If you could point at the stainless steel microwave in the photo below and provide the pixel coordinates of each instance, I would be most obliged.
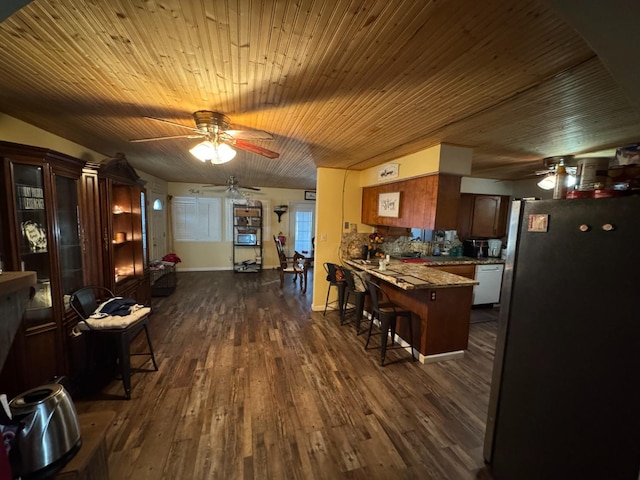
(246, 239)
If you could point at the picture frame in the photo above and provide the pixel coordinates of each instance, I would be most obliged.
(388, 171)
(310, 195)
(389, 204)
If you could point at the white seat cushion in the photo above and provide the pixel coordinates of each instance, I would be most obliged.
(114, 321)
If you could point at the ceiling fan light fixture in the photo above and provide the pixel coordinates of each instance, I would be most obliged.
(548, 182)
(215, 153)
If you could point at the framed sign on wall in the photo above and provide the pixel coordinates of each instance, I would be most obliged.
(389, 204)
(309, 195)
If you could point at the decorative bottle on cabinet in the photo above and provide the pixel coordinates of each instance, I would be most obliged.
(560, 189)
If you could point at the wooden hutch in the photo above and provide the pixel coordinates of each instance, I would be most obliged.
(58, 219)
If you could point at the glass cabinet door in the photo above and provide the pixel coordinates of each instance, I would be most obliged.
(68, 234)
(33, 241)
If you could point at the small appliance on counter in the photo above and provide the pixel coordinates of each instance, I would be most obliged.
(49, 435)
(495, 247)
(476, 247)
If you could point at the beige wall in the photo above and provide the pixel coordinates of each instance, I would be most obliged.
(197, 256)
(14, 130)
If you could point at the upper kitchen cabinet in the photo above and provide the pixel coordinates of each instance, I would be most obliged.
(124, 229)
(41, 233)
(428, 202)
(482, 215)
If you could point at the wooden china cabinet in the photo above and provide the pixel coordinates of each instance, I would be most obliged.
(41, 233)
(124, 230)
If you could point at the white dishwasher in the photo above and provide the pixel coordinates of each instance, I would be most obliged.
(489, 278)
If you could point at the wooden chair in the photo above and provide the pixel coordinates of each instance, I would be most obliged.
(387, 313)
(291, 265)
(85, 301)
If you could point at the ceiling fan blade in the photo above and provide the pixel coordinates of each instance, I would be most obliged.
(153, 139)
(255, 189)
(249, 134)
(173, 123)
(250, 147)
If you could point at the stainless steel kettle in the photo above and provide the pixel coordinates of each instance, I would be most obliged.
(50, 435)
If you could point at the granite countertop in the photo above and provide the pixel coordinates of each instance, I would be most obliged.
(447, 260)
(412, 276)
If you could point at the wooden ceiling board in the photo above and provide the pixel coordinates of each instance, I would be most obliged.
(338, 84)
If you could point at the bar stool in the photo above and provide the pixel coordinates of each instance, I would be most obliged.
(123, 332)
(359, 292)
(387, 313)
(334, 281)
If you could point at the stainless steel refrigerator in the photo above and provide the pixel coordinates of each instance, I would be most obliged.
(565, 393)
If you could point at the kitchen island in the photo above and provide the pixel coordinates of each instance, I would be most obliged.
(441, 303)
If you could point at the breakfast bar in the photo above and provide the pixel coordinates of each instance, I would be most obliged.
(441, 303)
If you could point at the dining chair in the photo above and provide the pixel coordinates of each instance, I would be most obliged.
(120, 329)
(291, 265)
(387, 314)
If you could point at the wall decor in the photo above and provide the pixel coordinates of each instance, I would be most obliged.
(385, 172)
(389, 204)
(309, 195)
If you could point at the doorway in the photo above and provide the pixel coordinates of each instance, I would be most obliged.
(302, 226)
(158, 220)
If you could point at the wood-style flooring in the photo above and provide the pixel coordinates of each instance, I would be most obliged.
(253, 385)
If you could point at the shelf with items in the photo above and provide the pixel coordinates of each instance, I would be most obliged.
(122, 198)
(41, 233)
(247, 237)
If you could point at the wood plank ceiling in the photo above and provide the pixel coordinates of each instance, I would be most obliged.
(347, 84)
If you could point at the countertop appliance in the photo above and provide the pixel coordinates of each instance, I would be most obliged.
(489, 279)
(50, 436)
(565, 392)
(475, 247)
(495, 247)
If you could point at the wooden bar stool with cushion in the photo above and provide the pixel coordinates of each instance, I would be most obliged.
(387, 313)
(121, 329)
(335, 277)
(357, 288)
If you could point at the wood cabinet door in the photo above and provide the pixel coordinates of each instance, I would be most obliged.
(485, 215)
(429, 202)
(482, 215)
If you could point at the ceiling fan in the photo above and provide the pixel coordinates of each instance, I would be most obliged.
(551, 165)
(214, 128)
(233, 188)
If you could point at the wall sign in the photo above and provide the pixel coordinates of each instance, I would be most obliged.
(385, 172)
(309, 195)
(389, 204)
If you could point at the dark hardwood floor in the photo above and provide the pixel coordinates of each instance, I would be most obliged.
(253, 385)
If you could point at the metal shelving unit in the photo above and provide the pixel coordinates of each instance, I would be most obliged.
(247, 237)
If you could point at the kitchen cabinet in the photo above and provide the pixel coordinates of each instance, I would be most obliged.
(41, 233)
(428, 202)
(482, 215)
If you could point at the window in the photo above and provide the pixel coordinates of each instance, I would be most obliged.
(197, 219)
(157, 204)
